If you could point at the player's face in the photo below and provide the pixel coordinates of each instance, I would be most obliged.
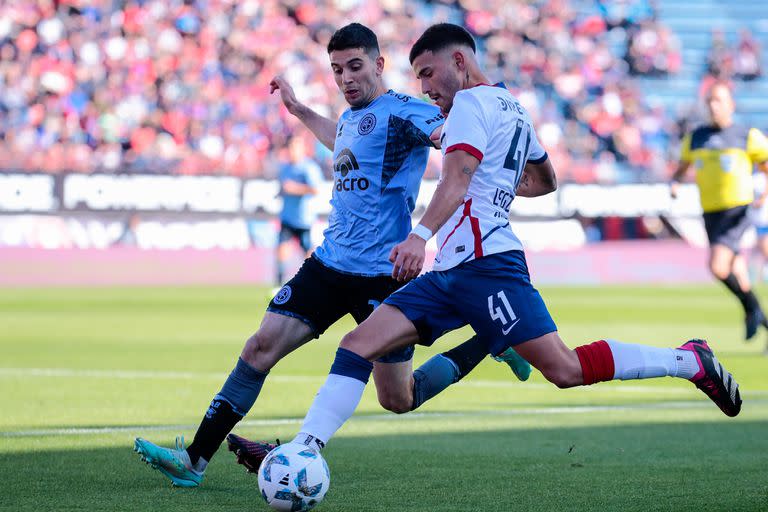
(357, 74)
(440, 77)
(720, 103)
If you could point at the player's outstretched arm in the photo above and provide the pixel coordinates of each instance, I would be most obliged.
(322, 127)
(458, 169)
(537, 180)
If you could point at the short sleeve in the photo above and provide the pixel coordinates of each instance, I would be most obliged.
(424, 117)
(757, 146)
(537, 153)
(685, 149)
(466, 128)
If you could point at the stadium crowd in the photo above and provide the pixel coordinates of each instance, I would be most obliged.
(172, 86)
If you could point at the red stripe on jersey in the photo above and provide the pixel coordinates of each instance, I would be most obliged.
(464, 215)
(474, 223)
(467, 148)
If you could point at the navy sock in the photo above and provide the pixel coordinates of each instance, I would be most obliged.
(432, 377)
(445, 369)
(228, 407)
(468, 355)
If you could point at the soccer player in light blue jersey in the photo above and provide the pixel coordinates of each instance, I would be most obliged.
(300, 178)
(380, 147)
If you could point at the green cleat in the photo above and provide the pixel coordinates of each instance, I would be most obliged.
(520, 367)
(174, 464)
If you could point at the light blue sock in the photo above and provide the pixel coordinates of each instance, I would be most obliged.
(432, 377)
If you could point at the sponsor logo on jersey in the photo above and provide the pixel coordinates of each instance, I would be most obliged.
(344, 164)
(402, 97)
(367, 124)
(283, 296)
(438, 117)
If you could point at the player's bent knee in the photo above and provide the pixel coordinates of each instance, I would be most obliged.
(351, 341)
(395, 403)
(260, 351)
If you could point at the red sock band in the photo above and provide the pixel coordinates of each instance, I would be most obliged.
(596, 362)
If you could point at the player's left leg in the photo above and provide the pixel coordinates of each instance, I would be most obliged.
(516, 314)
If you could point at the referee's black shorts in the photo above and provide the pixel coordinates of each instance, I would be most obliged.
(726, 227)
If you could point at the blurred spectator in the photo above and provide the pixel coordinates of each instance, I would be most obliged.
(181, 86)
(720, 58)
(746, 65)
(653, 50)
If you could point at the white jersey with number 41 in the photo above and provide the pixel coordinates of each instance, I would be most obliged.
(489, 123)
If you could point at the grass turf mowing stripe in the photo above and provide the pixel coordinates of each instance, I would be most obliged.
(150, 374)
(575, 409)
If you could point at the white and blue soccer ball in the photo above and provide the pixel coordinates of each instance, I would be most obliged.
(293, 477)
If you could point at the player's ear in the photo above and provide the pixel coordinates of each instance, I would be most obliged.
(459, 60)
(379, 65)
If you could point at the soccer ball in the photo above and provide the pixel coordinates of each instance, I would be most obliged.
(293, 477)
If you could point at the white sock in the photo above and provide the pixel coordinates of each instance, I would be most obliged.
(687, 364)
(632, 361)
(334, 404)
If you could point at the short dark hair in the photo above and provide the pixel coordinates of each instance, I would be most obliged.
(354, 35)
(440, 36)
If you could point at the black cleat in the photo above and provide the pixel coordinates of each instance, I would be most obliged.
(752, 323)
(249, 453)
(713, 379)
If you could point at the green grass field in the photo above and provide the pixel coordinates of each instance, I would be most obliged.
(83, 372)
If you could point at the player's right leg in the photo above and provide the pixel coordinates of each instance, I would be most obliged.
(278, 336)
(301, 310)
(606, 360)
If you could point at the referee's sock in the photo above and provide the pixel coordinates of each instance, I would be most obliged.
(748, 299)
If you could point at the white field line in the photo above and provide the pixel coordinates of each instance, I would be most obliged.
(471, 383)
(532, 411)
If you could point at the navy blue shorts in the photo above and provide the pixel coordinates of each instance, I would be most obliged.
(493, 294)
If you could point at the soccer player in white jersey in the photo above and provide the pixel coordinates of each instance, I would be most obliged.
(491, 154)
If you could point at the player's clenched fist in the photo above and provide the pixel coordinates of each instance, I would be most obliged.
(408, 258)
(286, 92)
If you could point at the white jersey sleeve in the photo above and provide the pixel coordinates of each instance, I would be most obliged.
(474, 133)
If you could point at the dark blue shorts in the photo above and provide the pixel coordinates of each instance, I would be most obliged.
(493, 294)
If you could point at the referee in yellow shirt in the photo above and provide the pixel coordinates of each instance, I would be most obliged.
(724, 155)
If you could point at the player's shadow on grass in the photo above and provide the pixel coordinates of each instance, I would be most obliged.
(676, 467)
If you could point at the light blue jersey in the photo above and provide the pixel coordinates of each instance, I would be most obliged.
(379, 157)
(297, 209)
